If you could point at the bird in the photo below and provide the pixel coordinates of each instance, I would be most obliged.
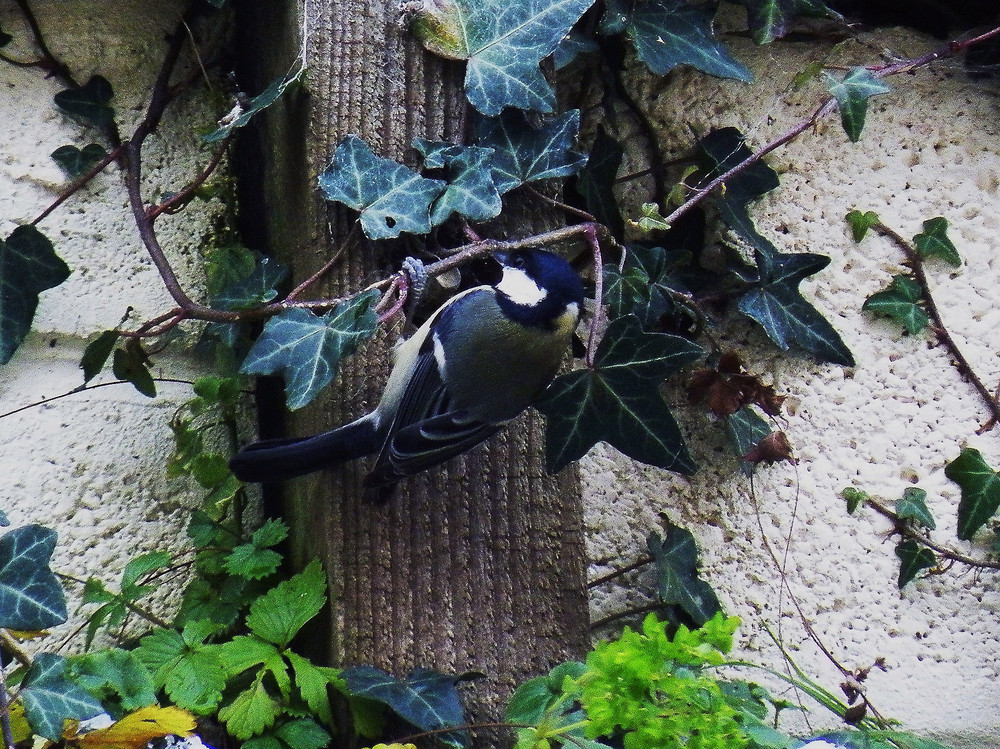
(477, 362)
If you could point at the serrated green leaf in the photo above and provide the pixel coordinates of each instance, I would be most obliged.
(250, 712)
(861, 223)
(618, 401)
(668, 33)
(901, 301)
(279, 614)
(676, 559)
(391, 197)
(181, 663)
(257, 288)
(596, 182)
(240, 116)
(30, 595)
(306, 349)
(852, 94)
(425, 699)
(523, 154)
(980, 487)
(312, 682)
(114, 674)
(303, 733)
(252, 562)
(28, 266)
(913, 506)
(787, 318)
(49, 697)
(210, 469)
(503, 44)
(78, 161)
(222, 605)
(471, 191)
(933, 241)
(88, 102)
(131, 365)
(95, 356)
(913, 557)
(271, 533)
(247, 651)
(745, 429)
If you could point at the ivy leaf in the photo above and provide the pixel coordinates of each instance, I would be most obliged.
(980, 487)
(745, 429)
(88, 102)
(425, 699)
(239, 116)
(526, 154)
(258, 287)
(619, 402)
(861, 223)
(76, 161)
(596, 182)
(676, 559)
(854, 497)
(913, 506)
(28, 266)
(115, 675)
(913, 557)
(901, 301)
(570, 47)
(787, 318)
(933, 242)
(95, 356)
(50, 698)
(280, 613)
(852, 95)
(131, 364)
(769, 19)
(471, 191)
(391, 198)
(30, 595)
(306, 348)
(668, 33)
(503, 44)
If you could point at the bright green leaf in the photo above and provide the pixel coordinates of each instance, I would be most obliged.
(303, 733)
(854, 497)
(88, 102)
(980, 487)
(279, 614)
(50, 698)
(503, 44)
(78, 161)
(933, 241)
(861, 223)
(250, 712)
(115, 674)
(901, 301)
(852, 95)
(30, 595)
(391, 197)
(188, 669)
(913, 506)
(307, 348)
(28, 266)
(618, 401)
(142, 565)
(676, 560)
(271, 533)
(913, 558)
(312, 682)
(523, 154)
(668, 33)
(650, 218)
(239, 116)
(252, 562)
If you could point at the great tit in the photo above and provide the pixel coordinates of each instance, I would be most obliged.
(480, 360)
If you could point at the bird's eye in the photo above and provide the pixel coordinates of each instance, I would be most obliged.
(518, 261)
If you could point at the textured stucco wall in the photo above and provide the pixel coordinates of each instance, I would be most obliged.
(930, 148)
(92, 465)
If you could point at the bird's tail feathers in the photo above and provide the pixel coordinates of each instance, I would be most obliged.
(270, 461)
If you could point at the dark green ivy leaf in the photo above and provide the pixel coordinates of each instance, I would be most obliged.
(913, 557)
(676, 559)
(852, 95)
(980, 487)
(913, 506)
(619, 402)
(4, 520)
(525, 154)
(259, 287)
(131, 364)
(76, 161)
(95, 356)
(570, 47)
(307, 348)
(596, 182)
(425, 699)
(769, 19)
(861, 223)
(745, 429)
(28, 266)
(933, 241)
(471, 191)
(50, 698)
(668, 33)
(900, 300)
(787, 318)
(89, 102)
(391, 198)
(240, 116)
(503, 44)
(30, 595)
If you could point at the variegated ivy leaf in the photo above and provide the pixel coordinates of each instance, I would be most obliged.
(391, 197)
(852, 95)
(471, 190)
(503, 43)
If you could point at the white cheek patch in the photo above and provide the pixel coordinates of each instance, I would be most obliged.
(517, 285)
(439, 355)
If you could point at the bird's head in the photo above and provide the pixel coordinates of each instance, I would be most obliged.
(537, 287)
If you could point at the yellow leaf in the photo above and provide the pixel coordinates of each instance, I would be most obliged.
(23, 635)
(18, 723)
(394, 746)
(137, 729)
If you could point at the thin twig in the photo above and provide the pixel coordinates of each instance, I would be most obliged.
(641, 562)
(654, 606)
(84, 389)
(132, 606)
(9, 643)
(565, 207)
(179, 199)
(80, 182)
(328, 265)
